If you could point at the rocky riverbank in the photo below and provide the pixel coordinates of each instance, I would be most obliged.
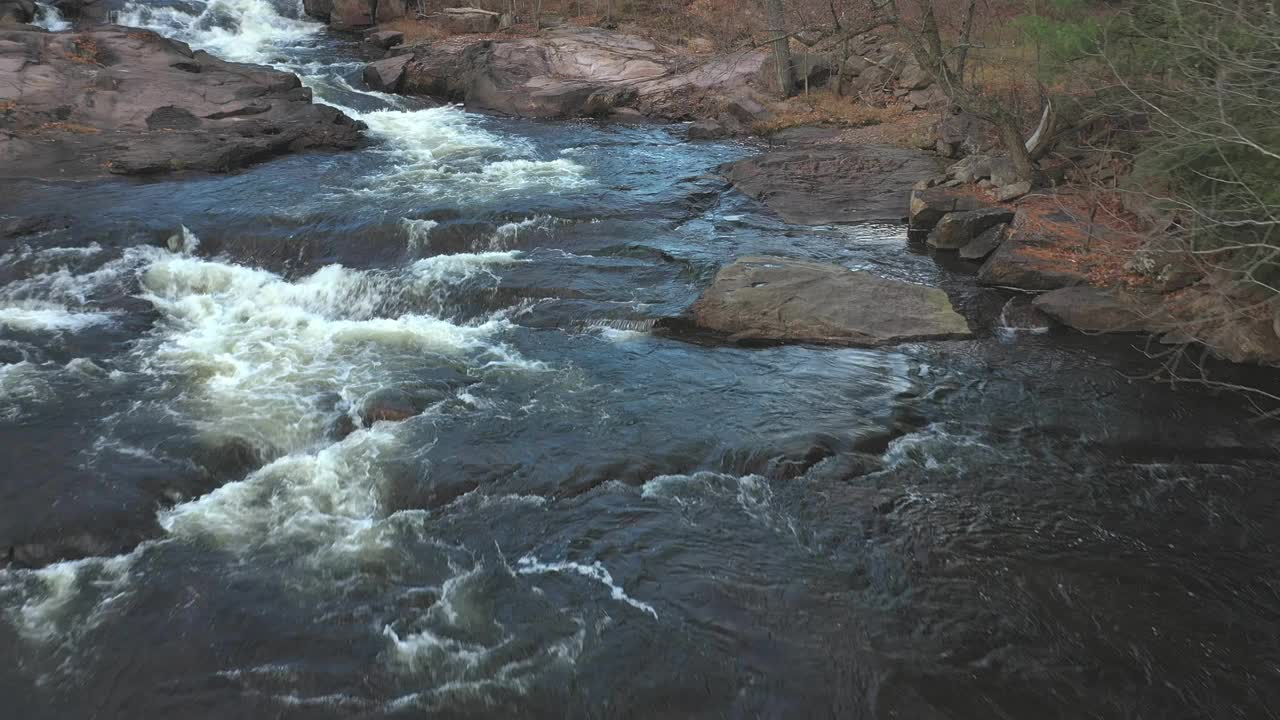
(116, 100)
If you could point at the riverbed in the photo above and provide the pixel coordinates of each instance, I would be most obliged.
(582, 517)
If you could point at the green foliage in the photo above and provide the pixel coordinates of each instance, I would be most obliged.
(1063, 31)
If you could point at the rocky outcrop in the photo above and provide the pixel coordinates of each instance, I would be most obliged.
(127, 101)
(588, 72)
(985, 244)
(774, 299)
(468, 20)
(318, 9)
(87, 12)
(1031, 259)
(828, 184)
(1105, 310)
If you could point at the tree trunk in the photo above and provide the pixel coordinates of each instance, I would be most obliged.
(537, 14)
(777, 18)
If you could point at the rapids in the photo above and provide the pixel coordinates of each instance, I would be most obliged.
(584, 518)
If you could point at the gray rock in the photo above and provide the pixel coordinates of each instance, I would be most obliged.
(385, 39)
(957, 229)
(319, 9)
(577, 72)
(148, 105)
(351, 14)
(929, 206)
(833, 183)
(1104, 310)
(1031, 260)
(773, 299)
(1014, 191)
(386, 75)
(706, 130)
(985, 244)
(1003, 172)
(468, 20)
(17, 11)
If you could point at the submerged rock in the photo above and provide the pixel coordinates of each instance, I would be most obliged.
(127, 101)
(833, 183)
(778, 299)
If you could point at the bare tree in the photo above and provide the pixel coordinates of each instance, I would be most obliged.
(776, 14)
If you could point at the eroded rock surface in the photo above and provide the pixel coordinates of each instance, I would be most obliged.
(774, 299)
(128, 101)
(835, 183)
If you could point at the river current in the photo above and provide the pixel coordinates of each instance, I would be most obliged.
(583, 518)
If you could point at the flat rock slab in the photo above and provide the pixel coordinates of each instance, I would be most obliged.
(774, 299)
(128, 101)
(825, 185)
(1037, 256)
(1105, 310)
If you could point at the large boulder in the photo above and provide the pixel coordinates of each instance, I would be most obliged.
(577, 72)
(386, 75)
(128, 101)
(985, 244)
(1104, 310)
(17, 11)
(87, 12)
(1040, 253)
(773, 299)
(352, 14)
(318, 9)
(468, 20)
(956, 230)
(930, 204)
(834, 183)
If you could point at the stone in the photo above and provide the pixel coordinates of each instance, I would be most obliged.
(149, 105)
(385, 39)
(86, 12)
(1104, 310)
(1032, 260)
(957, 229)
(319, 9)
(468, 20)
(1014, 191)
(914, 77)
(386, 75)
(828, 184)
(1003, 173)
(971, 169)
(706, 130)
(985, 244)
(352, 14)
(17, 11)
(929, 206)
(388, 405)
(774, 299)
(931, 98)
(580, 72)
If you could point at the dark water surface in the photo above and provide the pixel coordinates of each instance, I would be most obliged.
(585, 519)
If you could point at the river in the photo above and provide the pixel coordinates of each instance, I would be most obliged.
(585, 518)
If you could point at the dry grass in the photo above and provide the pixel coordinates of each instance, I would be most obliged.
(822, 107)
(84, 50)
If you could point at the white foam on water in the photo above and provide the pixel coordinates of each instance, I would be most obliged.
(461, 266)
(262, 350)
(47, 614)
(251, 31)
(529, 565)
(48, 17)
(40, 316)
(418, 233)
